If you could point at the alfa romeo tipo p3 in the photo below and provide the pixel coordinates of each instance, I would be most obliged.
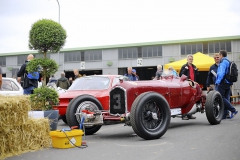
(148, 106)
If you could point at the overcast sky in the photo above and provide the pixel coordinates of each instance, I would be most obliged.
(107, 22)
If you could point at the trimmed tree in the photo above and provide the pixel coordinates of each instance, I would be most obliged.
(45, 36)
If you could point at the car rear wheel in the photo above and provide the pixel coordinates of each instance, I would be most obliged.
(76, 106)
(150, 115)
(214, 107)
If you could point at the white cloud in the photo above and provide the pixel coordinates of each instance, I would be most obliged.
(106, 22)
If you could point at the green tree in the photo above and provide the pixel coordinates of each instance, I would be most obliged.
(45, 36)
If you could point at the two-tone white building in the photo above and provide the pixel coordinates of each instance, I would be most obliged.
(114, 59)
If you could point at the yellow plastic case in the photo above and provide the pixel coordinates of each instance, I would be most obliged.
(60, 140)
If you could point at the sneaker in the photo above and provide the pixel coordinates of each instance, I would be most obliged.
(234, 113)
(229, 115)
(185, 118)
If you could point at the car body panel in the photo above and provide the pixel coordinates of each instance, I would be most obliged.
(101, 94)
(178, 93)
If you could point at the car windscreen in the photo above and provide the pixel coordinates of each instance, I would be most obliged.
(90, 83)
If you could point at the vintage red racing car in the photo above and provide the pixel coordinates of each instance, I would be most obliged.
(147, 106)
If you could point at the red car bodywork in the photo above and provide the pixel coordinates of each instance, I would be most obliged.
(178, 93)
(102, 95)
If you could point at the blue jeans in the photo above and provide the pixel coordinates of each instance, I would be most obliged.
(224, 90)
(28, 90)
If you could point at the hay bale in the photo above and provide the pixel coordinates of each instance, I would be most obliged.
(13, 111)
(30, 136)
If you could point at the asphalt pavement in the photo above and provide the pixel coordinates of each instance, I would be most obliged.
(185, 140)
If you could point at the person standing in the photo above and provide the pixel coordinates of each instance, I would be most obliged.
(191, 71)
(28, 84)
(135, 73)
(76, 73)
(131, 76)
(159, 72)
(63, 82)
(223, 86)
(173, 71)
(212, 74)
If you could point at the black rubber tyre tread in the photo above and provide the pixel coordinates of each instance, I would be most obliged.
(209, 107)
(71, 110)
(136, 119)
(64, 119)
(132, 114)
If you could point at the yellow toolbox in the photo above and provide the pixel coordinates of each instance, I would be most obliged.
(66, 139)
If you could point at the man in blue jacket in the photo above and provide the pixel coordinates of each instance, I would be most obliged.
(223, 86)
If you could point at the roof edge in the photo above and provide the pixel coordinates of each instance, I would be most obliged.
(133, 44)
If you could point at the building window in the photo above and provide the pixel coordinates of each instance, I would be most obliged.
(93, 55)
(82, 56)
(21, 59)
(191, 48)
(72, 56)
(3, 61)
(205, 48)
(139, 52)
(215, 47)
(152, 51)
(127, 53)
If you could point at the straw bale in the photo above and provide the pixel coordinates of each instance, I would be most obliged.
(30, 136)
(13, 111)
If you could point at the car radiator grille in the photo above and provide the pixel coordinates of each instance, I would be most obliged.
(117, 101)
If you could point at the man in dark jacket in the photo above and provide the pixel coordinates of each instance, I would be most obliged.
(191, 71)
(212, 74)
(28, 84)
(63, 82)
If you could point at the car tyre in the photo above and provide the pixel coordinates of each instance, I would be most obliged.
(64, 118)
(76, 105)
(214, 107)
(150, 115)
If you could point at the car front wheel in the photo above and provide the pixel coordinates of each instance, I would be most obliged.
(214, 107)
(76, 106)
(150, 115)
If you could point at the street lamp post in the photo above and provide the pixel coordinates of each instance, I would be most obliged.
(58, 12)
(59, 23)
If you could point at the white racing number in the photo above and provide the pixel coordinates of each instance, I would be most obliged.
(117, 97)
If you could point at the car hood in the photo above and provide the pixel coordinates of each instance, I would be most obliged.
(73, 94)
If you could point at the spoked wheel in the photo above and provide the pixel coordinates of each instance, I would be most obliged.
(150, 115)
(214, 107)
(76, 106)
